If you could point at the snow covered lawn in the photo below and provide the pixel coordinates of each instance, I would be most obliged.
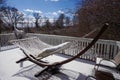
(8, 67)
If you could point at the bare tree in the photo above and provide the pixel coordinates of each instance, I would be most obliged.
(2, 26)
(47, 24)
(11, 16)
(37, 17)
(99, 11)
(67, 21)
(94, 13)
(75, 19)
(60, 21)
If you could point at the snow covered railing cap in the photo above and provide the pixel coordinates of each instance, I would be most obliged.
(17, 40)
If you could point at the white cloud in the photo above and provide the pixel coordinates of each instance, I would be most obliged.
(50, 15)
(32, 11)
(30, 16)
(38, 11)
(52, 0)
(51, 19)
(24, 14)
(28, 10)
(55, 13)
(59, 11)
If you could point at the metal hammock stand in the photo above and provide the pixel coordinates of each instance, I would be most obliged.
(54, 67)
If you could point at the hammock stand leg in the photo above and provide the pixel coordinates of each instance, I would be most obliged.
(21, 60)
(26, 58)
(50, 69)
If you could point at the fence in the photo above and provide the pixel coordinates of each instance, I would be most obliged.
(103, 48)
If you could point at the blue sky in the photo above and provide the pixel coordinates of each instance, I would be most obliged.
(48, 8)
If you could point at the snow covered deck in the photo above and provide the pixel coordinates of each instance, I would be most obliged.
(75, 70)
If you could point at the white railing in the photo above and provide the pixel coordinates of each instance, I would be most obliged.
(4, 39)
(103, 48)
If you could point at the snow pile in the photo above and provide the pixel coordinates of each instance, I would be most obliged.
(8, 66)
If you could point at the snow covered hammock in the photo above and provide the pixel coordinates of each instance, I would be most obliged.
(35, 47)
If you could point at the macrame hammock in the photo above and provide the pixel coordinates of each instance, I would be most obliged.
(31, 46)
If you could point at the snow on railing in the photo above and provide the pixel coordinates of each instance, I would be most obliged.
(103, 48)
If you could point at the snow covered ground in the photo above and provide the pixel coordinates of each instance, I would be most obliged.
(8, 67)
(9, 70)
